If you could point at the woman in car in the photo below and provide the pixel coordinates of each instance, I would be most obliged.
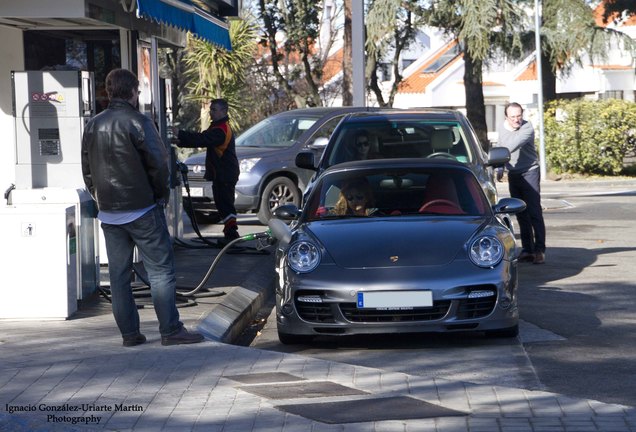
(356, 198)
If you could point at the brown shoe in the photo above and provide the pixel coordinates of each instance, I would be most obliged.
(183, 336)
(526, 257)
(539, 258)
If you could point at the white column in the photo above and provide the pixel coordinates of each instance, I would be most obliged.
(537, 39)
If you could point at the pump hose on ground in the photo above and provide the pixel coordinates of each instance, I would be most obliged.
(192, 293)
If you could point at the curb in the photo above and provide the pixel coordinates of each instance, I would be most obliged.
(226, 322)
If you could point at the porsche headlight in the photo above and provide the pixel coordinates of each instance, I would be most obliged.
(486, 251)
(197, 169)
(246, 165)
(303, 256)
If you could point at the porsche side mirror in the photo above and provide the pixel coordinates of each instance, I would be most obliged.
(287, 212)
(509, 205)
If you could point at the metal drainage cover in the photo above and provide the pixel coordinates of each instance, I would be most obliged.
(369, 410)
(305, 389)
(265, 377)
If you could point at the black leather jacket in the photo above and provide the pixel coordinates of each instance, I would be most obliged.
(124, 160)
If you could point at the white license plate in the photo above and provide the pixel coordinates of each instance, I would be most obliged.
(194, 192)
(395, 299)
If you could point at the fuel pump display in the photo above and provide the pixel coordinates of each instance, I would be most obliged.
(50, 109)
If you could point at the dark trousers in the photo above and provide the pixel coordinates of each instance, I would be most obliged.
(224, 199)
(526, 186)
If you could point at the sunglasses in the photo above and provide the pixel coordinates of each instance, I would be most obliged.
(355, 197)
(364, 143)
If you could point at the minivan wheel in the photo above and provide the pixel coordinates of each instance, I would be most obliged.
(279, 191)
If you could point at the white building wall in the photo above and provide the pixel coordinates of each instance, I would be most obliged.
(448, 89)
(11, 53)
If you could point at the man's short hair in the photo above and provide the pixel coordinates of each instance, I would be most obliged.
(120, 84)
(512, 104)
(222, 103)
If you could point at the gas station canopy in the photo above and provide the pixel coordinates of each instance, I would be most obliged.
(185, 16)
(166, 19)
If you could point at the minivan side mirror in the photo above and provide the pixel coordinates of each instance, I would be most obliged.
(305, 159)
(498, 156)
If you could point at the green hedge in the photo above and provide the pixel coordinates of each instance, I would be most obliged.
(589, 137)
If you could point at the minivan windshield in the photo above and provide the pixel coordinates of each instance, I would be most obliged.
(400, 138)
(276, 132)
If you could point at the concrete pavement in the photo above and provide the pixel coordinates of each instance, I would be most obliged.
(75, 375)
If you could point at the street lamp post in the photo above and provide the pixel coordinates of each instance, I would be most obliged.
(537, 38)
(357, 53)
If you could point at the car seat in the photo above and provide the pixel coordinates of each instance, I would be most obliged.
(440, 196)
(442, 140)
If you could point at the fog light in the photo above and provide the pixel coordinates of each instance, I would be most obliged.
(480, 294)
(309, 299)
(287, 309)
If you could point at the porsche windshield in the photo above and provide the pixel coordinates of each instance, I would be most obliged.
(397, 193)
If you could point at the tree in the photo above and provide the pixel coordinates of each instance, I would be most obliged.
(482, 28)
(568, 33)
(347, 55)
(293, 59)
(617, 7)
(391, 26)
(214, 72)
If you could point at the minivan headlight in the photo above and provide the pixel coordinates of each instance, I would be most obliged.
(246, 165)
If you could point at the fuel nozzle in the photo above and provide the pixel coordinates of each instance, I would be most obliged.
(183, 168)
(257, 236)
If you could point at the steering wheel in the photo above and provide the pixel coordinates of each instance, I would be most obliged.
(443, 206)
(441, 155)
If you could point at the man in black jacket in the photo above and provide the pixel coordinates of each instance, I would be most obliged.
(125, 168)
(221, 163)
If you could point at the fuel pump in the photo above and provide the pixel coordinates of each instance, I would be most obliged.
(50, 110)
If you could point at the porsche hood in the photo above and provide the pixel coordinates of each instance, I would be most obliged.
(355, 243)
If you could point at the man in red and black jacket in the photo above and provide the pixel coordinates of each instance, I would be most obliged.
(221, 164)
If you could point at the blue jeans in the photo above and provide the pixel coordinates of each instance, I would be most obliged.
(526, 186)
(150, 234)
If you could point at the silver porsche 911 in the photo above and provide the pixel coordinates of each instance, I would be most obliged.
(401, 245)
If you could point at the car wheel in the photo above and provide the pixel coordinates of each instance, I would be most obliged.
(290, 339)
(278, 191)
(509, 332)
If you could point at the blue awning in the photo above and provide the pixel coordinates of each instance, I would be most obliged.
(185, 16)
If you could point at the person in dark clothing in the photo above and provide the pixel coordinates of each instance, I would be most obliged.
(221, 163)
(125, 169)
(517, 135)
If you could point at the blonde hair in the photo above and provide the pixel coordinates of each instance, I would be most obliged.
(342, 205)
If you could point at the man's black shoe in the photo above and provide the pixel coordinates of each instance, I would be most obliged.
(183, 336)
(525, 257)
(137, 339)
